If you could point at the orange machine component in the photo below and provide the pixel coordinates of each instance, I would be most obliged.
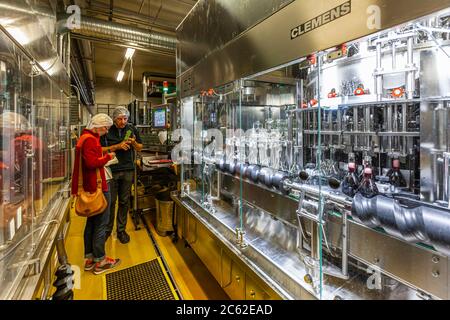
(312, 59)
(360, 92)
(398, 93)
(332, 94)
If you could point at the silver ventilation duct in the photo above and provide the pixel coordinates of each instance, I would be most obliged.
(116, 32)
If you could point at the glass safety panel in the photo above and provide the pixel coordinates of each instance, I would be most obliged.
(34, 159)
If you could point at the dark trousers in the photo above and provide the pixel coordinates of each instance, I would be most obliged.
(95, 233)
(121, 189)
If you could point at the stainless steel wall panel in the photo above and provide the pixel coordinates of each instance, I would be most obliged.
(434, 123)
(411, 264)
(213, 23)
(258, 49)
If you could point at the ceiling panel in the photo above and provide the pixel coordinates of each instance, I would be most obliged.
(141, 13)
(109, 60)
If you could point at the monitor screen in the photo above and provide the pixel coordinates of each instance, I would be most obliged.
(159, 118)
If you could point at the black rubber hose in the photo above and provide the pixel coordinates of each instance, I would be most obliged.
(412, 222)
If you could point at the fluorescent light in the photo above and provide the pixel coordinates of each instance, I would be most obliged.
(129, 54)
(120, 76)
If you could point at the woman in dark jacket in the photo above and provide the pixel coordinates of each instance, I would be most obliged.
(92, 159)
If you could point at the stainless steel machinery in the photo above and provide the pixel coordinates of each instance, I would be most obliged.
(315, 152)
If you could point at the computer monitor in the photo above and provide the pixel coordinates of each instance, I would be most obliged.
(159, 118)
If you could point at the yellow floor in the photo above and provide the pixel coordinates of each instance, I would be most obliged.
(190, 274)
(193, 279)
(90, 286)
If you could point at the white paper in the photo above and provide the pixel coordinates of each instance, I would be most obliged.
(12, 229)
(19, 217)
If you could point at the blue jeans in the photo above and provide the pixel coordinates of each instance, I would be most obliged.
(95, 233)
(120, 189)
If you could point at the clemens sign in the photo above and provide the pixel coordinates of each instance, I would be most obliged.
(326, 17)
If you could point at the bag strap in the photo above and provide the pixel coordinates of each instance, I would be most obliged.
(80, 171)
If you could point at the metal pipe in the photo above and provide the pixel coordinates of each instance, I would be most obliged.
(404, 128)
(87, 52)
(395, 127)
(344, 244)
(339, 126)
(411, 76)
(394, 37)
(63, 49)
(367, 126)
(60, 248)
(379, 77)
(394, 56)
(446, 177)
(290, 143)
(68, 52)
(315, 241)
(124, 45)
(113, 31)
(300, 98)
(133, 20)
(219, 187)
(389, 126)
(144, 98)
(355, 124)
(334, 197)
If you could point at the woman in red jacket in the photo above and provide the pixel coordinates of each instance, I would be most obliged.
(92, 159)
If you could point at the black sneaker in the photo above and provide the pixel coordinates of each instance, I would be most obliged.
(123, 237)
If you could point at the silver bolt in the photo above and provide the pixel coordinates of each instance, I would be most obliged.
(435, 259)
(436, 273)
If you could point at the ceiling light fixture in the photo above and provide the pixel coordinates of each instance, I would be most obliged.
(120, 76)
(129, 54)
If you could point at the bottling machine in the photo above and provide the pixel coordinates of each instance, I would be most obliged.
(315, 163)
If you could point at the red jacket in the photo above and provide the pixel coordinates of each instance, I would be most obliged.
(93, 158)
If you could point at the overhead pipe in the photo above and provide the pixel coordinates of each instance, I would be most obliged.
(116, 32)
(127, 18)
(101, 8)
(88, 57)
(124, 45)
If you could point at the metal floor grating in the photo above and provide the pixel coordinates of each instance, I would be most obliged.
(146, 281)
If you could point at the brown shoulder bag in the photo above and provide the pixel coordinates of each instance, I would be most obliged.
(89, 204)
